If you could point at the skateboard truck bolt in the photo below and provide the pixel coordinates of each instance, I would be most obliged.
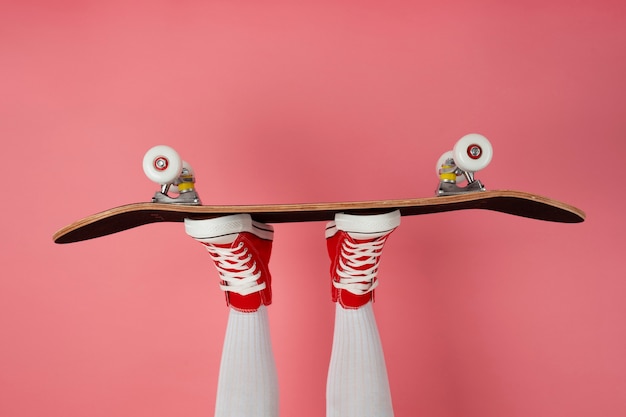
(161, 164)
(474, 151)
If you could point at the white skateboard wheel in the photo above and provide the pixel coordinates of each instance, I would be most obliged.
(472, 152)
(162, 164)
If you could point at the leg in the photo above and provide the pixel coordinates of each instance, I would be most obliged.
(240, 248)
(357, 377)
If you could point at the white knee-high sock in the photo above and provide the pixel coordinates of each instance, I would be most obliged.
(357, 383)
(247, 385)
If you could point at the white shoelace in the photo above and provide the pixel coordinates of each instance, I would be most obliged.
(236, 273)
(358, 255)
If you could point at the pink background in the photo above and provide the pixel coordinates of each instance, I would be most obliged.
(481, 314)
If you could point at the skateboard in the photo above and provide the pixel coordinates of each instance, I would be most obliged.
(458, 189)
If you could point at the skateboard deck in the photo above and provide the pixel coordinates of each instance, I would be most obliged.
(128, 216)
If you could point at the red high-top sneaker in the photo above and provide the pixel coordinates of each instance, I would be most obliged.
(355, 244)
(240, 248)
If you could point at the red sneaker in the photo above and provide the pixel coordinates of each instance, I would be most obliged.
(355, 244)
(240, 248)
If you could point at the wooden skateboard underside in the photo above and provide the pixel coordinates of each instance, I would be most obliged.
(132, 215)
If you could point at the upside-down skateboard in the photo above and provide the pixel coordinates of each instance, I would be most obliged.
(178, 198)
